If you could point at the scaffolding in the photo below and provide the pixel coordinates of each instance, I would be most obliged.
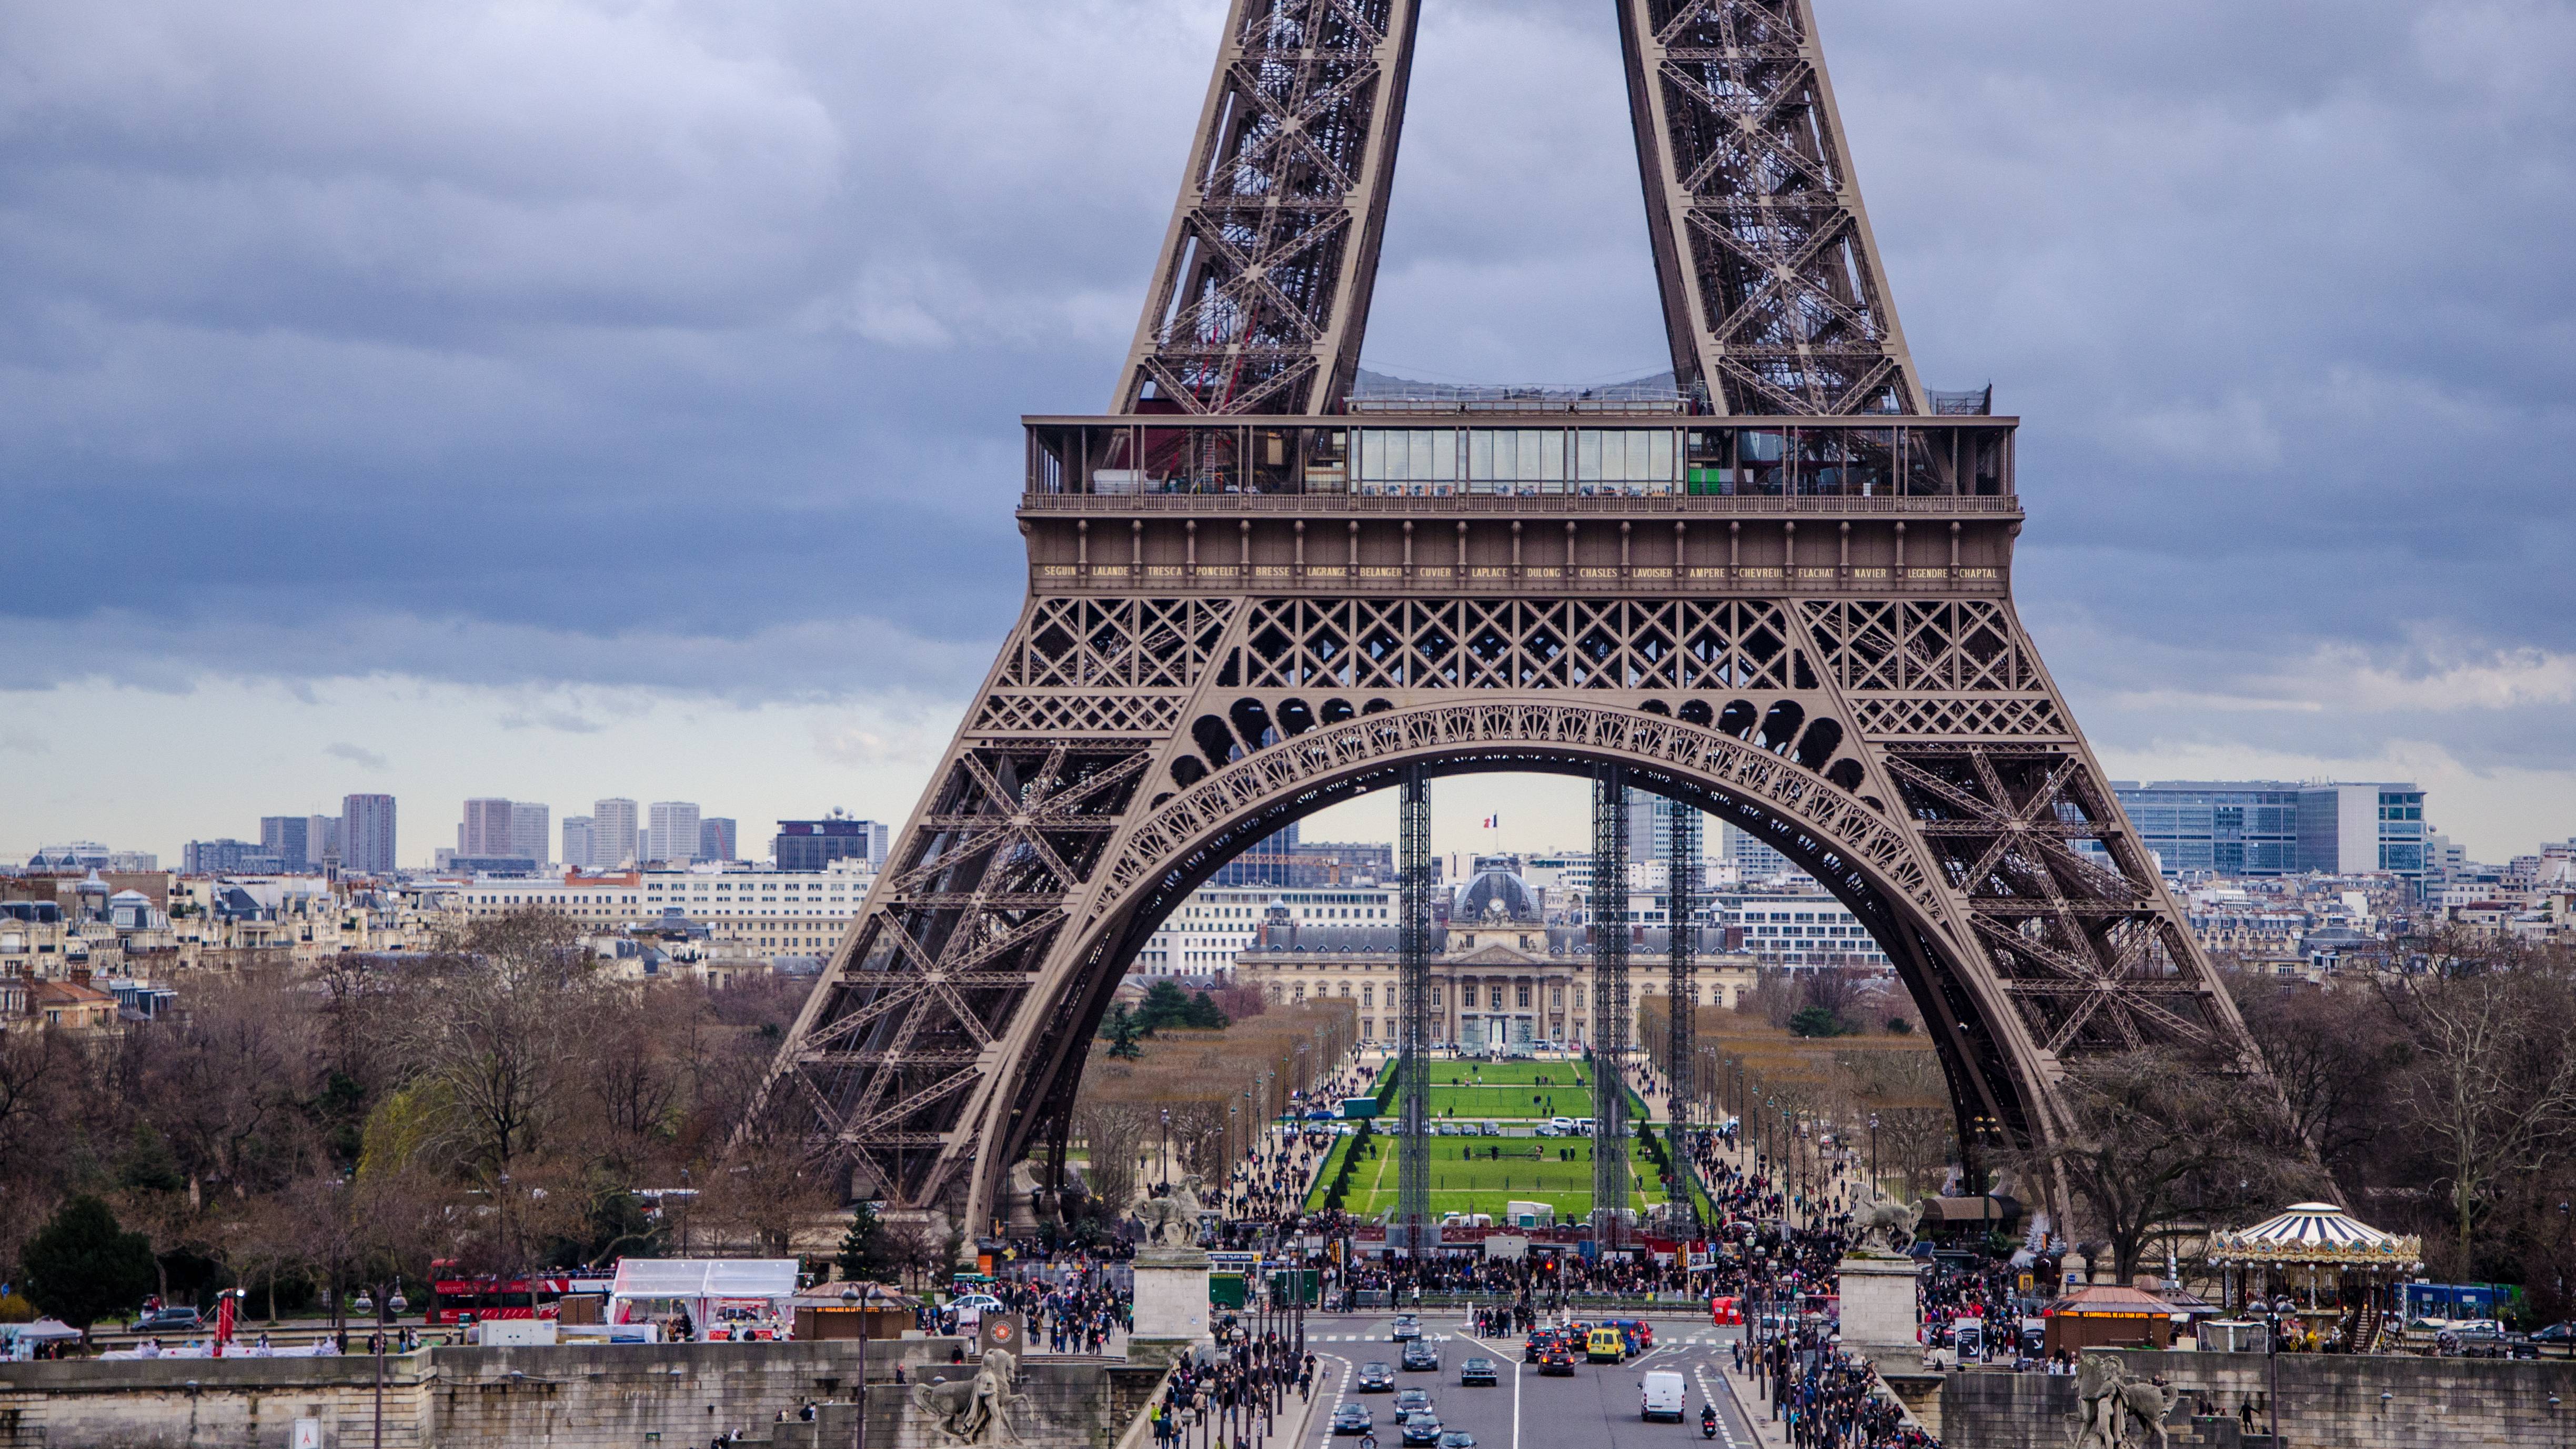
(1682, 895)
(1609, 1005)
(1413, 1033)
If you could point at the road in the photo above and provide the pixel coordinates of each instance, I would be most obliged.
(1595, 1409)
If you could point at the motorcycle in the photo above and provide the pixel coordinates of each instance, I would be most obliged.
(1708, 1422)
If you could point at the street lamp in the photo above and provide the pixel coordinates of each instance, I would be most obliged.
(1873, 1154)
(383, 1305)
(2272, 1354)
(859, 1431)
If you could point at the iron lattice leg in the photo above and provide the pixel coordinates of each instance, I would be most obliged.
(1609, 1004)
(1413, 1033)
(1681, 1046)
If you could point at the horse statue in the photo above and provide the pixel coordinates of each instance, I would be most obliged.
(2110, 1406)
(973, 1411)
(1889, 1221)
(1171, 1221)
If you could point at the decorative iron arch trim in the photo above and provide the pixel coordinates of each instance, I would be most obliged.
(1849, 845)
(1729, 767)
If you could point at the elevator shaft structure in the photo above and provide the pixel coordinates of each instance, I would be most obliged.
(1413, 1033)
(1682, 897)
(1609, 1005)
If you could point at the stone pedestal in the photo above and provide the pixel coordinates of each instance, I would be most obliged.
(1171, 1309)
(1880, 1318)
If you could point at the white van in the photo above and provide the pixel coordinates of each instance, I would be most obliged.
(1662, 1396)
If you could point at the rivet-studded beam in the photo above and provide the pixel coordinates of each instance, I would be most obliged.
(1773, 293)
(1995, 868)
(1262, 293)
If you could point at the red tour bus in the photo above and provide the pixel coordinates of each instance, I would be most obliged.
(455, 1300)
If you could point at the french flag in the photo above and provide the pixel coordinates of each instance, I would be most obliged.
(1493, 822)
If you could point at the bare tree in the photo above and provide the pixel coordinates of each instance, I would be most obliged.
(493, 1031)
(2333, 1054)
(2159, 1141)
(2493, 1075)
(1113, 1131)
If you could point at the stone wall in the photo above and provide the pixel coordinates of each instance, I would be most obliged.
(588, 1397)
(2328, 1401)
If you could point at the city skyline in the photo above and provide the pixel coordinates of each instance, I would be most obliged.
(759, 322)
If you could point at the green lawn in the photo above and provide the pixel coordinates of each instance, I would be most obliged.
(1464, 1178)
(1505, 1089)
(1484, 1184)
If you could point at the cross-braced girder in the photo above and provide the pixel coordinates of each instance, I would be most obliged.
(1991, 865)
(1261, 296)
(1413, 1025)
(1610, 1019)
(1683, 876)
(1774, 297)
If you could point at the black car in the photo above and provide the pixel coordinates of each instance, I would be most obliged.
(1422, 1429)
(1409, 1402)
(1556, 1363)
(1353, 1419)
(1457, 1439)
(1420, 1355)
(1479, 1371)
(1376, 1378)
(170, 1320)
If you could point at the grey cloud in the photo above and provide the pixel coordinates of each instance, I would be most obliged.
(681, 346)
(558, 720)
(357, 755)
(800, 661)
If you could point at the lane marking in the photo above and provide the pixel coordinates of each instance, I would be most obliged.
(1724, 1429)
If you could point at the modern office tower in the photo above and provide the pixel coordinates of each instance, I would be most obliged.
(577, 842)
(814, 844)
(673, 832)
(716, 836)
(2278, 827)
(613, 835)
(290, 839)
(228, 857)
(529, 827)
(486, 829)
(1752, 859)
(367, 834)
(322, 840)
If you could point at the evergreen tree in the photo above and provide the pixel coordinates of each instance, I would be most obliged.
(1203, 1012)
(83, 1266)
(864, 1254)
(147, 1164)
(1121, 1030)
(1815, 1021)
(1165, 1005)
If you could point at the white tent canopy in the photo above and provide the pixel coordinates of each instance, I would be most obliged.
(704, 1278)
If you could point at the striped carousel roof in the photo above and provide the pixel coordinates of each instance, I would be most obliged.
(2316, 1232)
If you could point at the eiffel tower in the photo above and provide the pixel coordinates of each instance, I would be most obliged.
(1777, 589)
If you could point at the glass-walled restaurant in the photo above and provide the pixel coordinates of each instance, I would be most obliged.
(1861, 458)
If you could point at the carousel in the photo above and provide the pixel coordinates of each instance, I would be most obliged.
(2324, 1277)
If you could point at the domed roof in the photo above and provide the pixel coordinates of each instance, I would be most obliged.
(2316, 1232)
(1494, 894)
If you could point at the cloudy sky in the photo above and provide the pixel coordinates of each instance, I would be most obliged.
(559, 400)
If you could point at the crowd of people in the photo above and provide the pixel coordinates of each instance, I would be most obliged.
(1782, 1235)
(1825, 1399)
(1235, 1394)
